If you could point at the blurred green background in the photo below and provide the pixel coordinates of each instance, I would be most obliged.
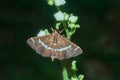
(99, 37)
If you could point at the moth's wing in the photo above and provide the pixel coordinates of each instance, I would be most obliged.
(73, 51)
(63, 48)
(35, 44)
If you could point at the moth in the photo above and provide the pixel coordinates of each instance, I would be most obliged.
(54, 45)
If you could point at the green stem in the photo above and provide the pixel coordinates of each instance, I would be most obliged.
(65, 26)
(66, 30)
(72, 31)
(58, 8)
(64, 70)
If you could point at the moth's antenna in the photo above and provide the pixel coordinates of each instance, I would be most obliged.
(52, 29)
(62, 30)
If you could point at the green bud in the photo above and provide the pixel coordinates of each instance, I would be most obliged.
(74, 68)
(80, 77)
(59, 16)
(73, 19)
(66, 16)
(74, 78)
(57, 25)
(43, 32)
(50, 2)
(77, 26)
(71, 25)
(59, 2)
(46, 31)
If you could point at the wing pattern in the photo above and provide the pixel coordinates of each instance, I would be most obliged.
(62, 49)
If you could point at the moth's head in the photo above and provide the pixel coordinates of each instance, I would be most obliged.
(57, 31)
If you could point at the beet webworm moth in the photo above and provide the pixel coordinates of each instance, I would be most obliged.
(55, 46)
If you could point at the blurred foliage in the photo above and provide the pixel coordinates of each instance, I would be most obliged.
(99, 37)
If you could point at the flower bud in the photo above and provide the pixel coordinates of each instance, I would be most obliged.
(43, 32)
(66, 16)
(80, 77)
(77, 26)
(59, 2)
(73, 19)
(57, 25)
(71, 25)
(51, 2)
(74, 68)
(59, 16)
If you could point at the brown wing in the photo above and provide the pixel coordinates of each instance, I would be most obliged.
(63, 49)
(38, 47)
(73, 51)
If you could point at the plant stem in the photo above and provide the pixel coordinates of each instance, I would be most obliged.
(66, 30)
(64, 70)
(65, 26)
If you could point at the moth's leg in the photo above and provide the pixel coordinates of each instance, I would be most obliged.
(53, 56)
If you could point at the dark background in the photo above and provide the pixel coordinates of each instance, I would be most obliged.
(99, 37)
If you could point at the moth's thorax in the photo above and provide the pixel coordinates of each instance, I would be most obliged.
(55, 38)
(55, 33)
